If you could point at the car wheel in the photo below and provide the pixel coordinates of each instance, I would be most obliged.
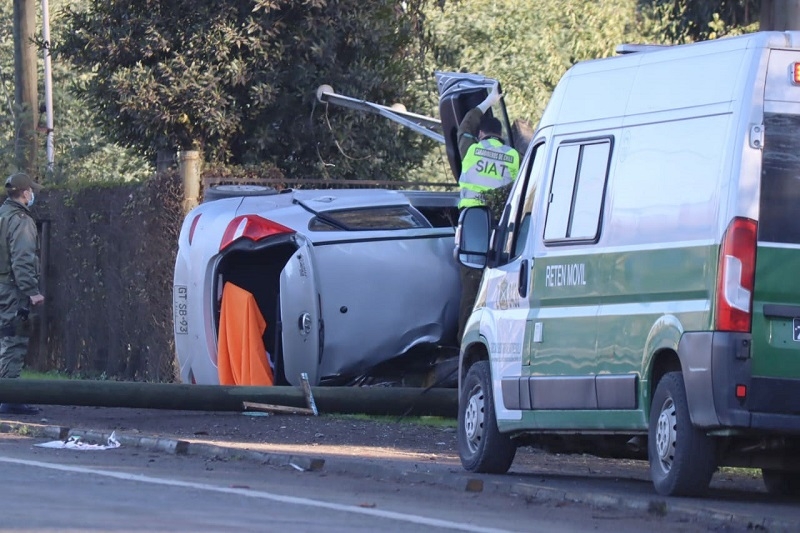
(781, 483)
(481, 446)
(232, 191)
(682, 457)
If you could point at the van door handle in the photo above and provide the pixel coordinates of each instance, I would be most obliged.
(523, 278)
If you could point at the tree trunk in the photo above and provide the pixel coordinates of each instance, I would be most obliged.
(780, 15)
(25, 85)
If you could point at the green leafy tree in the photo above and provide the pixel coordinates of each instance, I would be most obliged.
(237, 79)
(710, 19)
(82, 153)
(529, 46)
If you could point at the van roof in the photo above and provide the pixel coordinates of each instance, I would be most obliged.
(663, 78)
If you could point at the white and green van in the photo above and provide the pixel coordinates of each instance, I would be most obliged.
(643, 281)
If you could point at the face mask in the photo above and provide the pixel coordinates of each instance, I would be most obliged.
(33, 197)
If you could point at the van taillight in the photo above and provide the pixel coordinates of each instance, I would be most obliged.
(736, 276)
(251, 227)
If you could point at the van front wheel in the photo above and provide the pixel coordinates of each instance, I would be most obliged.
(481, 446)
(682, 457)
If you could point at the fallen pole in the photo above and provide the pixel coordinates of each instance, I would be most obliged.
(389, 401)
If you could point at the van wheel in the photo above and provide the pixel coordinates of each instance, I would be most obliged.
(781, 483)
(682, 457)
(481, 446)
(235, 191)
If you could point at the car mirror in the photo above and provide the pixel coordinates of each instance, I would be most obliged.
(474, 229)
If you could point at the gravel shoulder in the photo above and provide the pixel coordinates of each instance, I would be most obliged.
(412, 441)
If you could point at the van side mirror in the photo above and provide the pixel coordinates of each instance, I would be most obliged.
(474, 230)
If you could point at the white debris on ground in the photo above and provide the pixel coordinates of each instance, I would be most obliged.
(75, 443)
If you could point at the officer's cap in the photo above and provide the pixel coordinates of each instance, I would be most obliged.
(20, 182)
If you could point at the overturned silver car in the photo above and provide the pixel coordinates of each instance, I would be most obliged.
(347, 281)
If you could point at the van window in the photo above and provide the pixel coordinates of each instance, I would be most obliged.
(375, 218)
(514, 226)
(780, 180)
(576, 194)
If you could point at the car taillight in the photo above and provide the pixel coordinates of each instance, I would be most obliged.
(194, 227)
(251, 227)
(736, 276)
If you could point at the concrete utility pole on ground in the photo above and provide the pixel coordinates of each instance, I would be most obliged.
(780, 15)
(379, 401)
(26, 97)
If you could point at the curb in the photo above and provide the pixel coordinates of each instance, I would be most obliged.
(649, 504)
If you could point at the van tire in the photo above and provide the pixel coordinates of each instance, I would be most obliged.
(218, 192)
(682, 457)
(781, 483)
(481, 446)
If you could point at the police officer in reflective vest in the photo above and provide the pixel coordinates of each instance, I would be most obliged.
(486, 163)
(19, 279)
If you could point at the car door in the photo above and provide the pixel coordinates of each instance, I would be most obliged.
(458, 93)
(506, 293)
(387, 282)
(301, 321)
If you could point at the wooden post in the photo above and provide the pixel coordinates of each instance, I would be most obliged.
(26, 96)
(190, 175)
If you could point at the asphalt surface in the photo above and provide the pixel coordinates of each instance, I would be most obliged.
(737, 511)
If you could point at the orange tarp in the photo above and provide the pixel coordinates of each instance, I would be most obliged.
(241, 356)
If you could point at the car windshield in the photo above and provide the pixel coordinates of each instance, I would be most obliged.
(373, 218)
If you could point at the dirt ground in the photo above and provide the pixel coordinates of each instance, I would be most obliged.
(327, 436)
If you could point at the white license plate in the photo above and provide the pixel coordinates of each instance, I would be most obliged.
(180, 308)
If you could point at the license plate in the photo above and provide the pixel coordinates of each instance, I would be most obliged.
(796, 329)
(180, 307)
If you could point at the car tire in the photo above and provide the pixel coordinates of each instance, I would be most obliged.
(781, 483)
(682, 457)
(218, 192)
(481, 446)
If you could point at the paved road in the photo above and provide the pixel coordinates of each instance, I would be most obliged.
(575, 482)
(126, 489)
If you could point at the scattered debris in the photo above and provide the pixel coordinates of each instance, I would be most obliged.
(74, 442)
(474, 485)
(263, 409)
(271, 408)
(307, 391)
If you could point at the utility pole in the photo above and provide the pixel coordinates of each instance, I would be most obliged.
(48, 84)
(780, 15)
(25, 87)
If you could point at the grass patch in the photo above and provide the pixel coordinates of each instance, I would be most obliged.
(741, 471)
(53, 374)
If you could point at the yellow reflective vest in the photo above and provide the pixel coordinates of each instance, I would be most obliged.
(487, 165)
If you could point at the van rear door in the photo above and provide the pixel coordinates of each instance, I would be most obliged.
(776, 295)
(458, 93)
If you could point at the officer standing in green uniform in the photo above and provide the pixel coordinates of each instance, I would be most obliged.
(486, 164)
(19, 279)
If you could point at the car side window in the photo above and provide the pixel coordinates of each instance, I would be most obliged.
(576, 193)
(514, 226)
(373, 218)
